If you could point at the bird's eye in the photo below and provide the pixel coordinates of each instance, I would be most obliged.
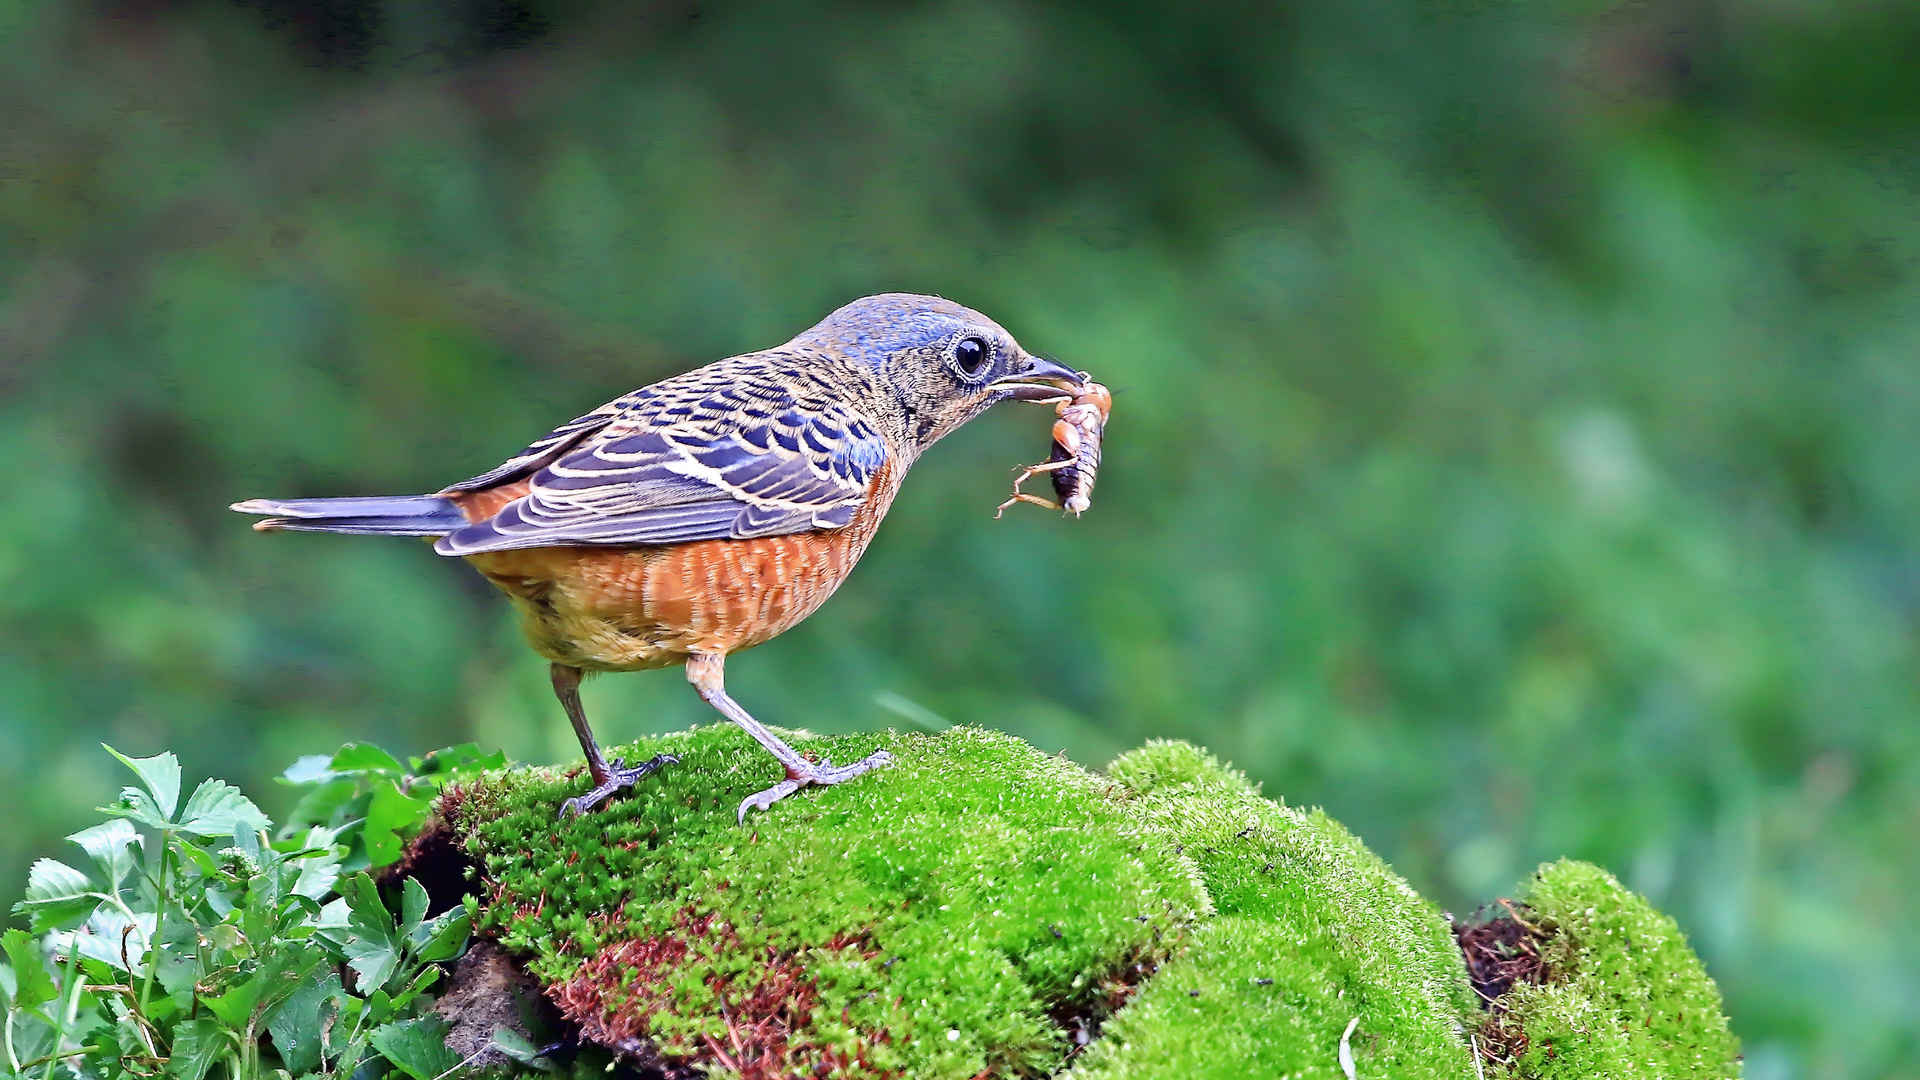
(970, 355)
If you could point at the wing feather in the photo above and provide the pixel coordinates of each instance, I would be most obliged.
(731, 462)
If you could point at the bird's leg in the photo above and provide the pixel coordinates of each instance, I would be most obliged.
(609, 777)
(706, 671)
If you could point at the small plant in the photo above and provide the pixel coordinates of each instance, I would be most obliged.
(373, 801)
(200, 942)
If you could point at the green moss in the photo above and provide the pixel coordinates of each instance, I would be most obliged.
(1625, 997)
(1170, 765)
(1313, 932)
(980, 907)
(930, 918)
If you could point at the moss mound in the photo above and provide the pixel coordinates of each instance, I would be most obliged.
(1619, 993)
(953, 915)
(1314, 934)
(981, 909)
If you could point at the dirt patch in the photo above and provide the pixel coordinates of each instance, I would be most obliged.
(1503, 946)
(1081, 1019)
(767, 1014)
(1502, 950)
(488, 990)
(435, 858)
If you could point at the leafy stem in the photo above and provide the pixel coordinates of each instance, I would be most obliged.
(59, 1055)
(70, 1008)
(13, 1059)
(159, 921)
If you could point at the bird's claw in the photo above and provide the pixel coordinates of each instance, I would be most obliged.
(823, 774)
(619, 779)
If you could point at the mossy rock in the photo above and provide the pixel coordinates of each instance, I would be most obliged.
(982, 909)
(1622, 994)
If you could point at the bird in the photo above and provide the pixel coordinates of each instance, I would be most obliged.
(709, 512)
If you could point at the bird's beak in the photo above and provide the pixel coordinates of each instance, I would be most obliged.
(1042, 380)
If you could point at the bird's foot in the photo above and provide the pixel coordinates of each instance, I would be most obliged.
(822, 773)
(619, 778)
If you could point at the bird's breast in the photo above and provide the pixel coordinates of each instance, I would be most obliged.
(628, 608)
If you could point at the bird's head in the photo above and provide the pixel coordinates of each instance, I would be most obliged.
(943, 363)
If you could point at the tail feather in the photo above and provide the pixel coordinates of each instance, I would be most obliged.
(392, 515)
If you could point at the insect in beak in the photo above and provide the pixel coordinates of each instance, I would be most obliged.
(1075, 459)
(1044, 380)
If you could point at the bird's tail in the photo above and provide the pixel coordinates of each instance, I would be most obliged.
(375, 515)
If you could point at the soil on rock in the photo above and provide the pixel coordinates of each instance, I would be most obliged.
(489, 990)
(1501, 952)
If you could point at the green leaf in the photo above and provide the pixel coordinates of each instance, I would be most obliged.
(51, 881)
(57, 895)
(323, 804)
(296, 916)
(32, 982)
(416, 1047)
(234, 1005)
(110, 845)
(372, 949)
(216, 808)
(444, 937)
(391, 815)
(174, 965)
(300, 1025)
(253, 851)
(413, 906)
(354, 1016)
(197, 1044)
(311, 769)
(463, 757)
(32, 1037)
(372, 959)
(365, 909)
(198, 857)
(335, 919)
(280, 975)
(427, 977)
(319, 864)
(161, 775)
(521, 1049)
(111, 938)
(362, 758)
(227, 938)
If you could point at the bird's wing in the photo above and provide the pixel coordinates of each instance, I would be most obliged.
(669, 472)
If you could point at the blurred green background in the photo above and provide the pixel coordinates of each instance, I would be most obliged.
(1513, 452)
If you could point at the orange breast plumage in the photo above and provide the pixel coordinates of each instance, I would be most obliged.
(630, 608)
